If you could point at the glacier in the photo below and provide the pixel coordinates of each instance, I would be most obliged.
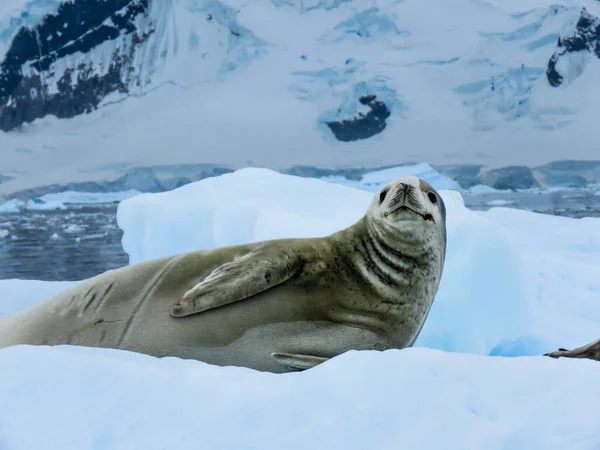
(516, 284)
(282, 84)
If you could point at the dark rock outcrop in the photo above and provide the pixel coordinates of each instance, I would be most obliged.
(78, 26)
(585, 37)
(365, 125)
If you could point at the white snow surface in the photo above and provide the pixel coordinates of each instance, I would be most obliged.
(482, 189)
(68, 398)
(464, 80)
(516, 284)
(500, 202)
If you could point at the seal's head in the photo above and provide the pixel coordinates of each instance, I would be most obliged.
(409, 211)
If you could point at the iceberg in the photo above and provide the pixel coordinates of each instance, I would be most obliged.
(251, 205)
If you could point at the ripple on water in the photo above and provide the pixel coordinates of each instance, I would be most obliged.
(61, 245)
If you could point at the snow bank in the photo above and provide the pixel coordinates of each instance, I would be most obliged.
(561, 258)
(481, 301)
(500, 202)
(414, 398)
(251, 205)
(245, 206)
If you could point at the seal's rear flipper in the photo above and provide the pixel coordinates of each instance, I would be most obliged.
(296, 361)
(590, 351)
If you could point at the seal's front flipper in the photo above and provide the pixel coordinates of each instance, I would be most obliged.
(296, 361)
(239, 279)
(590, 351)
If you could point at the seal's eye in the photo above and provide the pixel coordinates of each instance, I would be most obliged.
(382, 195)
(432, 197)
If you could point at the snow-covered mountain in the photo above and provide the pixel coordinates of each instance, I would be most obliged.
(91, 89)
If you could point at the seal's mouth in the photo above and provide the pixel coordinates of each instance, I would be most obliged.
(429, 217)
(426, 216)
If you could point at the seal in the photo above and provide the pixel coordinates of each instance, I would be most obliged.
(589, 351)
(278, 306)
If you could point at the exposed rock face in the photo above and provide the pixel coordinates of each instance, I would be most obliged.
(29, 86)
(584, 37)
(363, 126)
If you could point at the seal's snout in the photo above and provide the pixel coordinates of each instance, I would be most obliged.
(408, 199)
(405, 189)
(403, 194)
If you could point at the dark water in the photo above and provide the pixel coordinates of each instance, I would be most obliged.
(576, 203)
(80, 243)
(60, 245)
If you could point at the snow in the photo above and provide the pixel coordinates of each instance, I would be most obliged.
(65, 199)
(499, 202)
(245, 206)
(516, 284)
(465, 82)
(18, 13)
(422, 398)
(4, 233)
(482, 189)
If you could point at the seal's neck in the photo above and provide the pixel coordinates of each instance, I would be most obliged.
(387, 267)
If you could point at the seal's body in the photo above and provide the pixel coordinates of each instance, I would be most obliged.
(275, 306)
